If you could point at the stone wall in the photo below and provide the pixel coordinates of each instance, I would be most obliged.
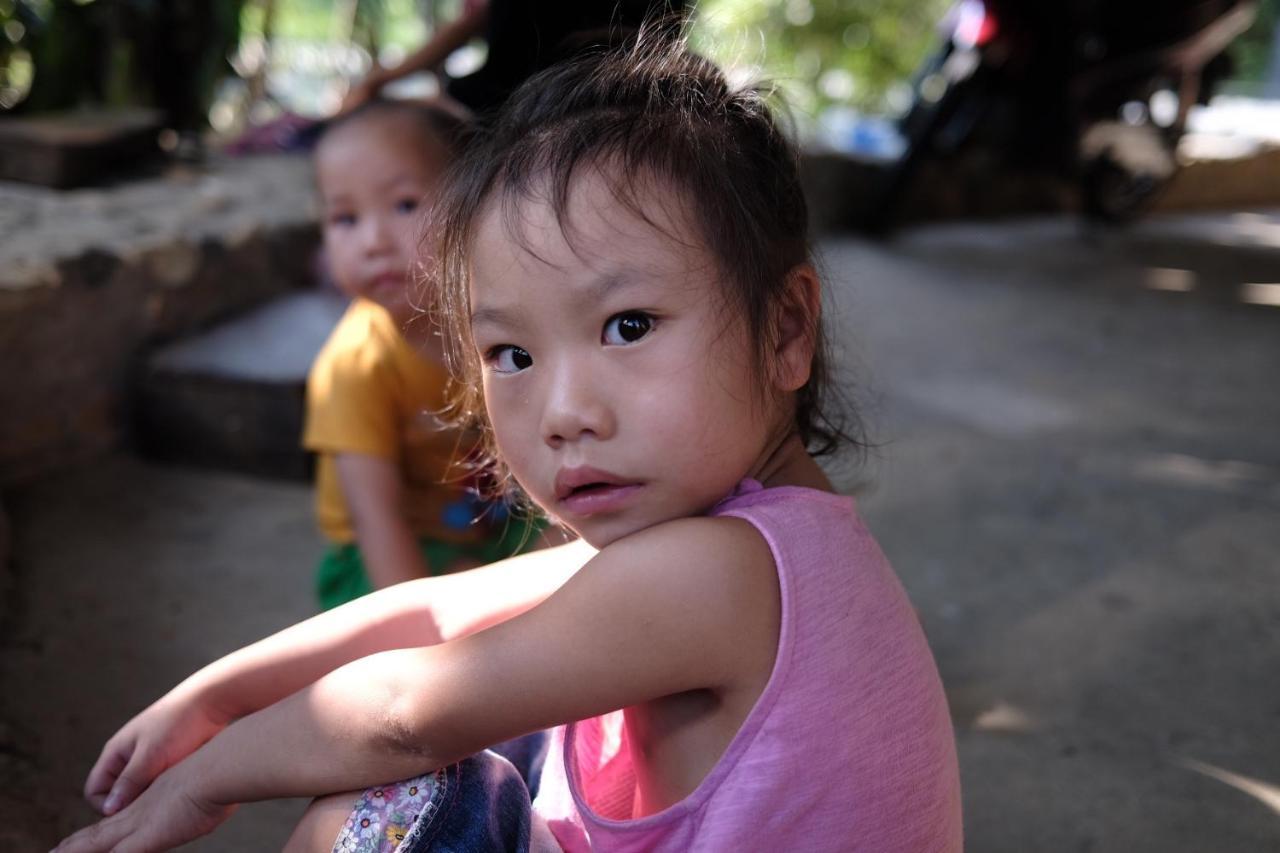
(90, 279)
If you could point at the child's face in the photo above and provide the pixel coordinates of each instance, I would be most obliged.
(620, 392)
(373, 176)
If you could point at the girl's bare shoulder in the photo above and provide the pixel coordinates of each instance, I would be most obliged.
(719, 570)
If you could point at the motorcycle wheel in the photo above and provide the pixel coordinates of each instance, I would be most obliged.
(1122, 169)
(1111, 194)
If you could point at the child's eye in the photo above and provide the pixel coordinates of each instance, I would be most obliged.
(342, 220)
(508, 359)
(406, 205)
(626, 328)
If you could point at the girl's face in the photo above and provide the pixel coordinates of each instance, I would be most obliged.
(620, 393)
(373, 176)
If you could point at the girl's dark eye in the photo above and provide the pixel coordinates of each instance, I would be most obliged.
(627, 328)
(406, 205)
(342, 220)
(509, 359)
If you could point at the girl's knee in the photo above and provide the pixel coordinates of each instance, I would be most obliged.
(318, 829)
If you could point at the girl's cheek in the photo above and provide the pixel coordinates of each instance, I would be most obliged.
(500, 417)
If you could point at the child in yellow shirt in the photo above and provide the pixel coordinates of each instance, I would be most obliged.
(388, 496)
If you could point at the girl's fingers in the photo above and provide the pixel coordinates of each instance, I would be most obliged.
(104, 774)
(137, 774)
(103, 835)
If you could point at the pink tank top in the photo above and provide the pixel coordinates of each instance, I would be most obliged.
(848, 748)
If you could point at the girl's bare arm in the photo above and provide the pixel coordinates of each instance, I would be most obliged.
(694, 605)
(423, 612)
(418, 613)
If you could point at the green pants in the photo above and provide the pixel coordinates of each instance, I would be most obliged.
(341, 576)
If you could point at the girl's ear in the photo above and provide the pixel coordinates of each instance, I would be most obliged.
(796, 321)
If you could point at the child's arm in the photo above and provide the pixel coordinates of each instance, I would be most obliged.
(374, 494)
(693, 604)
(419, 613)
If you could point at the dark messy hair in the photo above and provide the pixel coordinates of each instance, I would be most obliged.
(437, 122)
(648, 111)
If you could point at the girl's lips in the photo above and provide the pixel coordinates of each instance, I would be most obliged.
(588, 491)
(596, 499)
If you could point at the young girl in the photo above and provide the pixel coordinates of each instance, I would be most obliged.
(635, 318)
(387, 497)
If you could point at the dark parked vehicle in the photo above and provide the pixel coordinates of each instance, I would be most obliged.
(1096, 91)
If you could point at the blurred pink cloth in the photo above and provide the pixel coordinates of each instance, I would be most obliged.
(288, 132)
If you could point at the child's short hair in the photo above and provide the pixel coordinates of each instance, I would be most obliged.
(650, 109)
(436, 121)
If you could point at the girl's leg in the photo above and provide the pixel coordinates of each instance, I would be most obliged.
(321, 822)
(478, 805)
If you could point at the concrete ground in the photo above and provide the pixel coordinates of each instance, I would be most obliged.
(1077, 475)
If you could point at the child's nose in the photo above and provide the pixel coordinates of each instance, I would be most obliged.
(576, 407)
(377, 234)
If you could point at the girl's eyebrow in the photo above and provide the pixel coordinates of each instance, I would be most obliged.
(492, 317)
(595, 292)
(602, 288)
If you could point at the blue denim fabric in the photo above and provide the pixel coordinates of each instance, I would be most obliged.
(527, 754)
(481, 804)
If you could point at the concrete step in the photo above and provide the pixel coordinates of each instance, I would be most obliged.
(92, 279)
(233, 397)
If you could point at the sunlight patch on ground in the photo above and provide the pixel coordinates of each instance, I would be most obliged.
(1260, 294)
(1003, 717)
(1227, 475)
(1263, 792)
(1166, 278)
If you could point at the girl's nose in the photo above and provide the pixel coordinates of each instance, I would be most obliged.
(576, 407)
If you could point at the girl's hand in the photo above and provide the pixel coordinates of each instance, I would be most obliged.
(169, 813)
(150, 743)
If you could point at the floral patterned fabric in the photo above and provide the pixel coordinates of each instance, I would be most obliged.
(382, 817)
(479, 805)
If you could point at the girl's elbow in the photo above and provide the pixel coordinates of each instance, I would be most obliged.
(396, 706)
(409, 725)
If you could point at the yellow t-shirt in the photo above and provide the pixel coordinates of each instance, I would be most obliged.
(370, 392)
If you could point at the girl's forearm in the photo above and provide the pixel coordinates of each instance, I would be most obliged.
(341, 733)
(267, 671)
(418, 613)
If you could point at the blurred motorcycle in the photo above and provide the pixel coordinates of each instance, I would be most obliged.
(1095, 91)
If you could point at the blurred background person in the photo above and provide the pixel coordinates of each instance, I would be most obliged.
(522, 38)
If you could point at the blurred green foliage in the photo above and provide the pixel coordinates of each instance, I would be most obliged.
(18, 19)
(62, 53)
(822, 52)
(851, 52)
(1252, 51)
(376, 23)
(169, 54)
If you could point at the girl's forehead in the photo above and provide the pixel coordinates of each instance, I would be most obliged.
(599, 223)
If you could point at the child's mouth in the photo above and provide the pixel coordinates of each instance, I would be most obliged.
(585, 491)
(595, 498)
